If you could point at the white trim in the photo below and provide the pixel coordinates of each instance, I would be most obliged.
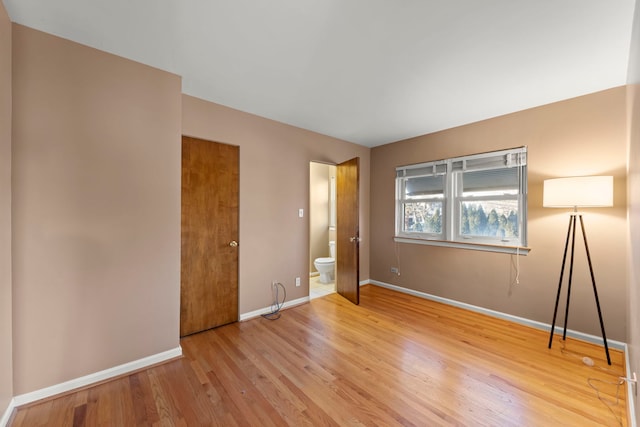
(487, 247)
(261, 311)
(516, 319)
(87, 380)
(631, 402)
(4, 421)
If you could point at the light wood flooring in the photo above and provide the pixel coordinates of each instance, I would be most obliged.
(393, 360)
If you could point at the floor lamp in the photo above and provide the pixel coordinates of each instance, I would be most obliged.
(575, 192)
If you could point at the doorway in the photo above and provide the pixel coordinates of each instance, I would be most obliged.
(322, 224)
(345, 214)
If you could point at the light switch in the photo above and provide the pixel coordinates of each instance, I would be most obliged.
(300, 213)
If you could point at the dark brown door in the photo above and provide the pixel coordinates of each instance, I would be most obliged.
(348, 232)
(209, 259)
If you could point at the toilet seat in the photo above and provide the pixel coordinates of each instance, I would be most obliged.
(324, 260)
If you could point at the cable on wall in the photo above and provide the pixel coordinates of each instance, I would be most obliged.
(522, 183)
(396, 250)
(517, 265)
(277, 305)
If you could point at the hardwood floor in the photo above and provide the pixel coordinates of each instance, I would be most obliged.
(393, 360)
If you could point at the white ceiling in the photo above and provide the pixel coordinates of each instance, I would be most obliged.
(366, 71)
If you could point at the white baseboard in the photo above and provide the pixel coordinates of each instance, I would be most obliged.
(516, 319)
(261, 311)
(86, 380)
(7, 414)
(631, 401)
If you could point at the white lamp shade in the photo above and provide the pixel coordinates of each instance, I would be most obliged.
(579, 191)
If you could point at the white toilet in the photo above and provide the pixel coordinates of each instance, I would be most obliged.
(326, 266)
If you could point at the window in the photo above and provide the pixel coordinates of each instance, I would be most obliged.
(471, 200)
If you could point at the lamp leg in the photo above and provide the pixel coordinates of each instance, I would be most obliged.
(573, 246)
(564, 260)
(595, 291)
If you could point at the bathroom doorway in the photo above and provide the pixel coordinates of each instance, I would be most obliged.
(322, 228)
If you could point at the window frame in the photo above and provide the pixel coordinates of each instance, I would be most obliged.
(452, 200)
(401, 206)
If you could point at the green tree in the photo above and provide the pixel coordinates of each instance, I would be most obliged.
(473, 219)
(478, 221)
(502, 230)
(436, 221)
(464, 225)
(512, 226)
(493, 223)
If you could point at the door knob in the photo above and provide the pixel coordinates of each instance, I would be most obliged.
(354, 239)
(233, 244)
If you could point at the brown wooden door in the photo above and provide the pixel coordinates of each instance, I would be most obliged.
(348, 232)
(209, 259)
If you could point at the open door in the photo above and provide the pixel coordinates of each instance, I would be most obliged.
(348, 231)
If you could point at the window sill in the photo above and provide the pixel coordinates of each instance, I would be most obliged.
(504, 249)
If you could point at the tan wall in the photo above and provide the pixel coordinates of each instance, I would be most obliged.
(633, 334)
(318, 212)
(6, 369)
(633, 90)
(274, 184)
(581, 136)
(96, 185)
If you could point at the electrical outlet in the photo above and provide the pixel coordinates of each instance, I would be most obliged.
(297, 281)
(395, 270)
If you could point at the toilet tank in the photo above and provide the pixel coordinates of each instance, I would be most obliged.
(332, 248)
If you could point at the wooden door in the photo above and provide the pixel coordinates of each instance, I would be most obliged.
(209, 259)
(348, 232)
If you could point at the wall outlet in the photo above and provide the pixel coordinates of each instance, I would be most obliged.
(395, 270)
(297, 281)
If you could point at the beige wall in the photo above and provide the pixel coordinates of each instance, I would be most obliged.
(96, 210)
(274, 184)
(6, 369)
(633, 334)
(581, 136)
(319, 182)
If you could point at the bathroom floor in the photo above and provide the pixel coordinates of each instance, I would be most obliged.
(317, 289)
